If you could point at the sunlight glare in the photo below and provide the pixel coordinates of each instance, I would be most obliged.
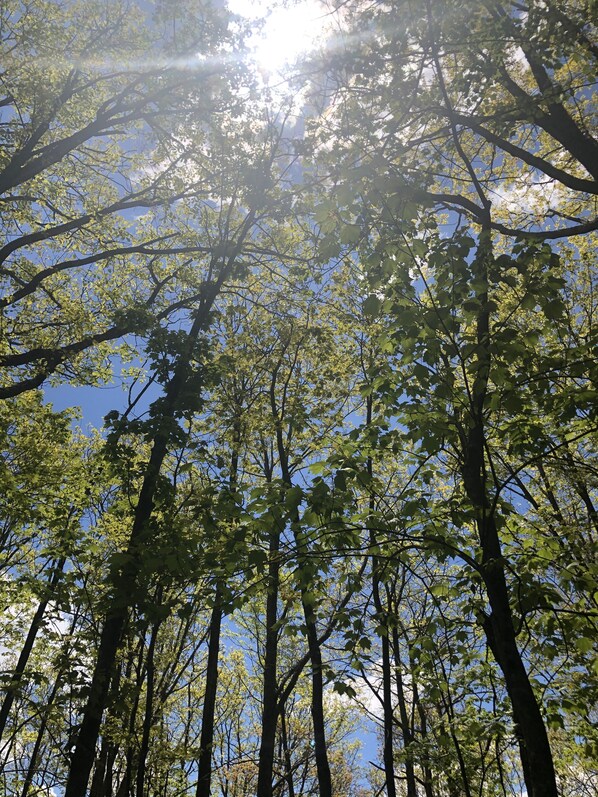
(287, 33)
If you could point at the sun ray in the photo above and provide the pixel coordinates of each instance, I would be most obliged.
(283, 33)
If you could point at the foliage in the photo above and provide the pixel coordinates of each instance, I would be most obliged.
(350, 495)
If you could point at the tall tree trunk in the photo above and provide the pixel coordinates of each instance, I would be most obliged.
(269, 697)
(269, 682)
(124, 581)
(382, 619)
(17, 675)
(99, 773)
(288, 775)
(387, 709)
(404, 716)
(536, 756)
(317, 701)
(148, 718)
(204, 767)
(101, 782)
(317, 679)
(428, 776)
(206, 741)
(125, 787)
(32, 768)
(313, 645)
(449, 730)
(109, 779)
(114, 625)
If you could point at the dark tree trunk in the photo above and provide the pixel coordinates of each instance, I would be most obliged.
(148, 718)
(84, 754)
(387, 710)
(317, 703)
(270, 703)
(124, 581)
(288, 775)
(125, 787)
(313, 645)
(101, 782)
(404, 716)
(428, 777)
(536, 756)
(32, 768)
(382, 617)
(109, 780)
(17, 676)
(99, 773)
(206, 741)
(204, 773)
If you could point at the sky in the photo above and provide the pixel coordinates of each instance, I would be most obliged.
(286, 32)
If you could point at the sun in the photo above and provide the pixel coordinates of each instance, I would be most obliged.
(283, 32)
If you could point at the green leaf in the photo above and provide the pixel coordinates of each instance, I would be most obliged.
(350, 234)
(554, 309)
(372, 305)
(293, 497)
(584, 644)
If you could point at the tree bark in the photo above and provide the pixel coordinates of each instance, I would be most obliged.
(317, 702)
(382, 615)
(288, 775)
(148, 718)
(428, 776)
(387, 710)
(206, 741)
(17, 676)
(536, 756)
(124, 581)
(405, 724)
(32, 768)
(313, 644)
(269, 698)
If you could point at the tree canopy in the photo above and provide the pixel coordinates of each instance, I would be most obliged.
(338, 535)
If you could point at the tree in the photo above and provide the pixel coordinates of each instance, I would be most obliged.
(354, 478)
(92, 250)
(470, 107)
(439, 130)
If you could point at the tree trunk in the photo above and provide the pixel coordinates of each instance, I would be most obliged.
(428, 776)
(270, 703)
(204, 767)
(124, 580)
(536, 756)
(288, 775)
(148, 718)
(317, 703)
(206, 742)
(388, 716)
(382, 617)
(313, 645)
(125, 787)
(99, 774)
(31, 769)
(405, 724)
(17, 676)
